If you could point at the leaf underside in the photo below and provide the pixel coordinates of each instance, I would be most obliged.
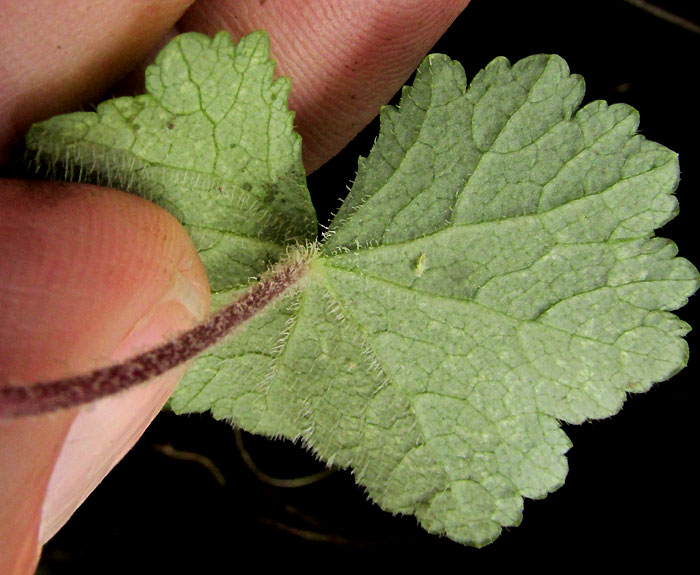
(212, 141)
(493, 273)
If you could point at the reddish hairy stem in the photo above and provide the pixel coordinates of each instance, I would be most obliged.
(46, 396)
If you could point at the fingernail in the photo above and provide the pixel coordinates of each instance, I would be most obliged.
(183, 305)
(105, 430)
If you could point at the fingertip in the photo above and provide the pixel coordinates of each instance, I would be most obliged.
(90, 275)
(82, 265)
(64, 54)
(346, 58)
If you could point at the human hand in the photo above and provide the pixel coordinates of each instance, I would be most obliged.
(91, 275)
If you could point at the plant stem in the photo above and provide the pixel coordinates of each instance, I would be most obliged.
(664, 14)
(46, 396)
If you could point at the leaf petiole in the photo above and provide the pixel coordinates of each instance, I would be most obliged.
(47, 396)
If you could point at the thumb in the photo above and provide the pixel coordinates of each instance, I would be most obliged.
(90, 276)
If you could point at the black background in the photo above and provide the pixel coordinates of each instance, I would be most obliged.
(631, 490)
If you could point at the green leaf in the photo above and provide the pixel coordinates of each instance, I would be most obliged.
(492, 274)
(212, 141)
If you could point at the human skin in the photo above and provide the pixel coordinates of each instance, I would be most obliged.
(93, 275)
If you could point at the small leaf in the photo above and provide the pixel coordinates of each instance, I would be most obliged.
(212, 141)
(492, 273)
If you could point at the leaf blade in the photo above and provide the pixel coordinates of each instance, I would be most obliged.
(212, 141)
(493, 273)
(551, 234)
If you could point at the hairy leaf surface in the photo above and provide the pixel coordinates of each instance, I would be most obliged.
(212, 141)
(493, 273)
